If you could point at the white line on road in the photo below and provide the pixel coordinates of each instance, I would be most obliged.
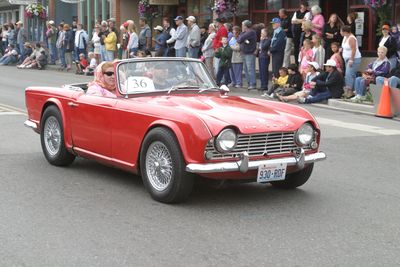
(10, 110)
(358, 126)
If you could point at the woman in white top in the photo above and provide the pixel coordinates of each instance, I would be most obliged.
(390, 43)
(133, 42)
(352, 58)
(96, 43)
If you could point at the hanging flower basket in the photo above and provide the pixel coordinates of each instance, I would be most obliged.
(375, 4)
(36, 10)
(225, 9)
(147, 11)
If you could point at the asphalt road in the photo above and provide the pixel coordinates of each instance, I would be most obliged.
(90, 215)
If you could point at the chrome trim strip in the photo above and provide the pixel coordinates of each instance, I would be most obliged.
(31, 124)
(299, 161)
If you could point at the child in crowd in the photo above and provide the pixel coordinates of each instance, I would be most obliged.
(224, 53)
(264, 58)
(337, 57)
(89, 70)
(161, 41)
(82, 64)
(306, 89)
(318, 50)
(306, 55)
(293, 84)
(277, 82)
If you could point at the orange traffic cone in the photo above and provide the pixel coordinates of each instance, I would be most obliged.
(384, 108)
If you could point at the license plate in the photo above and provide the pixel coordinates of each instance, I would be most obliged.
(271, 172)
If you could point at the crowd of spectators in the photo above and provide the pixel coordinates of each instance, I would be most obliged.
(311, 58)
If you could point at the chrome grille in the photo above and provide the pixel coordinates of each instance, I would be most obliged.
(263, 144)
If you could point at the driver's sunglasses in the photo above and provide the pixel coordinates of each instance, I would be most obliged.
(109, 73)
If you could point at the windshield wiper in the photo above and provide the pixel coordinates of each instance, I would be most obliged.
(208, 89)
(174, 88)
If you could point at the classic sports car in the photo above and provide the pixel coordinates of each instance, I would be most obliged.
(169, 122)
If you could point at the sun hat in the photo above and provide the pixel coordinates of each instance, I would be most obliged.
(314, 64)
(330, 62)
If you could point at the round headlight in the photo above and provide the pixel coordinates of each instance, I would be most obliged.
(305, 135)
(226, 141)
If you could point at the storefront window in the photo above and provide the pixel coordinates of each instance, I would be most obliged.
(201, 9)
(259, 4)
(242, 12)
(274, 4)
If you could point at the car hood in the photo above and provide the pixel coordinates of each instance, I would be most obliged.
(248, 115)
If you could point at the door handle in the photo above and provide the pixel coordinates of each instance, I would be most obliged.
(72, 104)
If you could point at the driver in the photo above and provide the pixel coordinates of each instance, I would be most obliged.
(160, 77)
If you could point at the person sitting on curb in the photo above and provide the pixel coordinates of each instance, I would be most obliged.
(380, 67)
(82, 64)
(328, 84)
(277, 82)
(312, 72)
(293, 84)
(10, 55)
(27, 52)
(31, 59)
(394, 78)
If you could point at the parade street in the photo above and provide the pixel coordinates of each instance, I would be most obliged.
(88, 214)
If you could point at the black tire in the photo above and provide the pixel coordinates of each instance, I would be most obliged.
(60, 156)
(180, 182)
(295, 179)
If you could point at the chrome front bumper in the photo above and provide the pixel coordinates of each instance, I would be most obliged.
(31, 124)
(299, 159)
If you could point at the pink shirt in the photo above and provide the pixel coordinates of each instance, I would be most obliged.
(305, 57)
(319, 20)
(96, 89)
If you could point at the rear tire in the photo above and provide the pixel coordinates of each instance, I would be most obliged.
(52, 138)
(295, 179)
(163, 167)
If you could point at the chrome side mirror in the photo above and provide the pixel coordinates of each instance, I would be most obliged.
(223, 89)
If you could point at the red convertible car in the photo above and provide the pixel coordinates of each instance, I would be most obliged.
(169, 123)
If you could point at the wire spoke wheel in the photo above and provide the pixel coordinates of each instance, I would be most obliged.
(159, 166)
(52, 135)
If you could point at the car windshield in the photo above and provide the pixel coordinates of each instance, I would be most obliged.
(149, 75)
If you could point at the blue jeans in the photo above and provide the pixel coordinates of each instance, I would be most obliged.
(5, 60)
(53, 53)
(359, 86)
(181, 52)
(103, 56)
(193, 52)
(249, 62)
(61, 50)
(393, 62)
(394, 82)
(237, 69)
(109, 55)
(264, 73)
(350, 74)
(318, 97)
(223, 71)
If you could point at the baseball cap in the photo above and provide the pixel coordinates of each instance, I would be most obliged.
(276, 20)
(191, 18)
(158, 28)
(178, 18)
(314, 64)
(330, 62)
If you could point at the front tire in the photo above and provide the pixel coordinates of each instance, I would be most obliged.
(52, 138)
(163, 167)
(295, 179)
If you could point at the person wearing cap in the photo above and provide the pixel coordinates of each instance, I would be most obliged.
(328, 84)
(312, 72)
(160, 40)
(21, 36)
(248, 46)
(277, 48)
(51, 34)
(144, 35)
(179, 37)
(390, 43)
(193, 40)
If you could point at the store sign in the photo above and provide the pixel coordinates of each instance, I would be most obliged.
(21, 2)
(164, 2)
